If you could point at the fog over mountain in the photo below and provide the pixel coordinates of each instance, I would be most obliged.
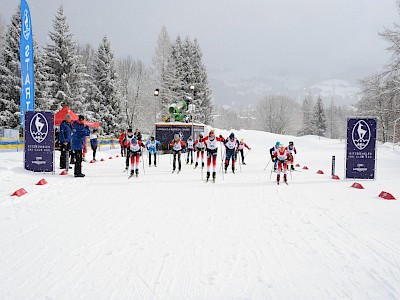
(250, 48)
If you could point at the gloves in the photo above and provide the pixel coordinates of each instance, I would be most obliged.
(220, 136)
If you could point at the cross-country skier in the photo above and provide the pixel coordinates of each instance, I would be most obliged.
(177, 144)
(292, 150)
(272, 152)
(282, 156)
(199, 148)
(135, 151)
(129, 135)
(190, 148)
(212, 150)
(230, 144)
(240, 148)
(152, 146)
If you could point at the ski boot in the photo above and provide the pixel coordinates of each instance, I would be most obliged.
(278, 178)
(137, 172)
(202, 165)
(208, 176)
(233, 169)
(226, 168)
(285, 178)
(196, 164)
(292, 167)
(132, 173)
(213, 176)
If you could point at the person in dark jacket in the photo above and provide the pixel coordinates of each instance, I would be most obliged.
(65, 141)
(137, 135)
(79, 133)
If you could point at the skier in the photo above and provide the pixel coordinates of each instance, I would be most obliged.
(272, 152)
(292, 150)
(128, 136)
(177, 144)
(199, 148)
(135, 151)
(122, 138)
(94, 141)
(190, 147)
(282, 156)
(212, 150)
(152, 147)
(138, 135)
(231, 144)
(240, 148)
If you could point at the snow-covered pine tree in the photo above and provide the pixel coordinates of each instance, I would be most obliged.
(162, 55)
(318, 118)
(2, 32)
(66, 74)
(41, 84)
(10, 74)
(106, 103)
(307, 110)
(197, 75)
(171, 83)
(332, 121)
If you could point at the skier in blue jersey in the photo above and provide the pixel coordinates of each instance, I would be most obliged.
(152, 145)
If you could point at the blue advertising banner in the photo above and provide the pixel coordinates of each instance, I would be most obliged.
(27, 98)
(360, 151)
(39, 141)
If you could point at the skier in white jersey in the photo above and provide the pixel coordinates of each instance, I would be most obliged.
(189, 149)
(177, 144)
(199, 148)
(135, 150)
(231, 144)
(282, 156)
(211, 143)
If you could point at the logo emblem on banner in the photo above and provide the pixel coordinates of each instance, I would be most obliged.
(26, 25)
(361, 135)
(39, 128)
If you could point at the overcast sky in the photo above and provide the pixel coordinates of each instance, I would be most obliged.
(301, 37)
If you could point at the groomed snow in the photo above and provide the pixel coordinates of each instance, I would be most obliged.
(169, 236)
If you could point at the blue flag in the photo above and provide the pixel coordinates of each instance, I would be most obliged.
(27, 99)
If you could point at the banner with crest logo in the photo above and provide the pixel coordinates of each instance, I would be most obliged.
(27, 97)
(361, 148)
(39, 141)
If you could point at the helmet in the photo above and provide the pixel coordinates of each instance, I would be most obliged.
(277, 144)
(232, 135)
(281, 146)
(200, 135)
(152, 137)
(134, 141)
(241, 140)
(211, 132)
(176, 136)
(290, 143)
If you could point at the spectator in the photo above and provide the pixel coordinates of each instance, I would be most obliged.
(65, 141)
(137, 135)
(79, 133)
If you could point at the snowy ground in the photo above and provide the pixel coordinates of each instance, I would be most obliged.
(169, 236)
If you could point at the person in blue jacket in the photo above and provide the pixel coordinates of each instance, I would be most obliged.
(152, 146)
(65, 141)
(79, 133)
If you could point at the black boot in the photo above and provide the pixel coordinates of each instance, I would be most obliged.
(284, 177)
(278, 178)
(137, 172)
(214, 174)
(202, 165)
(208, 175)
(292, 167)
(233, 169)
(196, 164)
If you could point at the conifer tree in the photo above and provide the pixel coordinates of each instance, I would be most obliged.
(319, 118)
(10, 74)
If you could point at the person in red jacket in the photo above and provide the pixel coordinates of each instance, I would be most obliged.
(135, 152)
(122, 138)
(240, 148)
(211, 143)
(282, 156)
(199, 147)
(176, 145)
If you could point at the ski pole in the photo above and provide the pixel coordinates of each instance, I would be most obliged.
(222, 164)
(267, 164)
(240, 162)
(144, 172)
(246, 154)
